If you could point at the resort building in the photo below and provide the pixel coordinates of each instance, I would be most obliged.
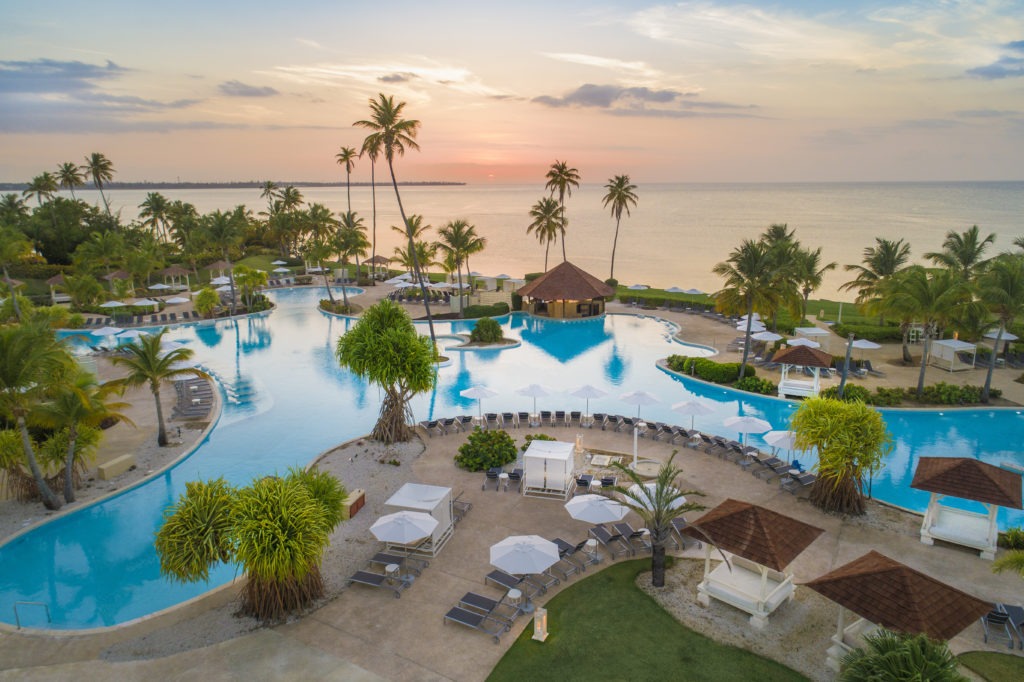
(565, 292)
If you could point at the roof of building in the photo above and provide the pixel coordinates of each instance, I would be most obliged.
(803, 356)
(566, 282)
(968, 478)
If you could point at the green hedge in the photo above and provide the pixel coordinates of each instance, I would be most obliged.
(708, 370)
(36, 270)
(496, 310)
(485, 449)
(486, 330)
(871, 332)
(752, 384)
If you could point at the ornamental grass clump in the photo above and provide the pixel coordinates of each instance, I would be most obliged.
(486, 330)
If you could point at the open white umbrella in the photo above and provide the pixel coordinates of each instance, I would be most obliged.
(220, 280)
(755, 316)
(478, 393)
(596, 509)
(503, 276)
(781, 440)
(107, 331)
(800, 341)
(176, 300)
(755, 327)
(522, 554)
(646, 493)
(534, 391)
(638, 287)
(159, 286)
(864, 344)
(587, 392)
(132, 334)
(675, 290)
(694, 292)
(766, 336)
(747, 424)
(282, 271)
(402, 284)
(990, 334)
(146, 301)
(224, 288)
(639, 398)
(113, 304)
(694, 408)
(404, 527)
(278, 262)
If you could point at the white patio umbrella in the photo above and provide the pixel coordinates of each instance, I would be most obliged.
(756, 316)
(755, 327)
(223, 288)
(781, 440)
(393, 280)
(402, 284)
(278, 262)
(220, 280)
(747, 424)
(596, 509)
(281, 271)
(146, 301)
(675, 290)
(800, 341)
(476, 274)
(160, 286)
(113, 304)
(405, 276)
(478, 393)
(638, 287)
(586, 391)
(534, 391)
(639, 398)
(107, 331)
(694, 292)
(645, 495)
(694, 408)
(404, 527)
(176, 300)
(132, 334)
(503, 276)
(990, 334)
(766, 336)
(521, 554)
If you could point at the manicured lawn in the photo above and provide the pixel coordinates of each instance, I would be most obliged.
(604, 628)
(993, 666)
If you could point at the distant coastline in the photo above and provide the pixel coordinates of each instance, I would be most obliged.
(250, 184)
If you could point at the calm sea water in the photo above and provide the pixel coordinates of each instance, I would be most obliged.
(677, 232)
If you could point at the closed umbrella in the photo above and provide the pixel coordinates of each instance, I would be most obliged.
(404, 527)
(596, 509)
(646, 496)
(534, 391)
(694, 408)
(478, 393)
(524, 554)
(747, 424)
(587, 392)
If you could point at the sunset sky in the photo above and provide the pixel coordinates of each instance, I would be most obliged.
(803, 90)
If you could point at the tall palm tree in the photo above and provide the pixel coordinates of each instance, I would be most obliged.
(371, 147)
(224, 231)
(150, 365)
(563, 179)
(455, 243)
(621, 195)
(101, 170)
(748, 274)
(352, 232)
(12, 210)
(880, 262)
(783, 248)
(393, 134)
(929, 296)
(657, 502)
(962, 252)
(547, 222)
(13, 247)
(43, 187)
(32, 363)
(809, 273)
(289, 198)
(1001, 291)
(69, 175)
(346, 158)
(414, 227)
(269, 191)
(155, 209)
(80, 402)
(474, 245)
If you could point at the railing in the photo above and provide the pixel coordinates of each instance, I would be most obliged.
(17, 617)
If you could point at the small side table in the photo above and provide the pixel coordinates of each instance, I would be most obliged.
(503, 480)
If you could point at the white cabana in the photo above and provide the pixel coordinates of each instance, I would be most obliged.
(547, 469)
(813, 334)
(431, 499)
(952, 354)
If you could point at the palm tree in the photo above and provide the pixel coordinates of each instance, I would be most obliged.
(148, 364)
(891, 655)
(563, 179)
(456, 238)
(289, 199)
(269, 192)
(621, 195)
(101, 170)
(1001, 290)
(80, 402)
(748, 276)
(32, 363)
(43, 187)
(12, 210)
(155, 209)
(346, 158)
(415, 228)
(809, 273)
(929, 296)
(393, 134)
(224, 231)
(962, 253)
(880, 262)
(371, 147)
(547, 222)
(657, 502)
(352, 232)
(69, 175)
(13, 247)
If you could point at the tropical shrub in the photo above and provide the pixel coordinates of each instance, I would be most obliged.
(887, 397)
(530, 437)
(75, 321)
(304, 279)
(753, 384)
(496, 310)
(336, 307)
(876, 333)
(1012, 538)
(951, 394)
(851, 393)
(486, 330)
(891, 655)
(486, 449)
(206, 301)
(708, 370)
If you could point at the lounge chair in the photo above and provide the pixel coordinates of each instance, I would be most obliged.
(573, 553)
(636, 539)
(460, 508)
(430, 426)
(545, 417)
(608, 482)
(871, 370)
(797, 484)
(565, 565)
(447, 425)
(465, 421)
(492, 421)
(173, 317)
(378, 580)
(492, 475)
(996, 623)
(492, 608)
(678, 537)
(625, 424)
(509, 420)
(599, 419)
(583, 481)
(196, 315)
(163, 317)
(576, 417)
(612, 421)
(477, 621)
(558, 419)
(511, 582)
(612, 541)
(409, 563)
(522, 418)
(1016, 614)
(515, 477)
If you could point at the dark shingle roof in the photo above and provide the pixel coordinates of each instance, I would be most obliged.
(803, 356)
(752, 532)
(897, 597)
(968, 478)
(566, 282)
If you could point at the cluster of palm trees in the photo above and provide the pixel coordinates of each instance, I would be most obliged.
(70, 175)
(766, 275)
(962, 291)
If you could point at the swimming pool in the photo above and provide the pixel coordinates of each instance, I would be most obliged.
(289, 401)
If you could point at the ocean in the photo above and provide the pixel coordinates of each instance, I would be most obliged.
(677, 232)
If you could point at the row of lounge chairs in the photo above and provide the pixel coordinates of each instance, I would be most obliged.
(408, 567)
(195, 399)
(790, 475)
(140, 320)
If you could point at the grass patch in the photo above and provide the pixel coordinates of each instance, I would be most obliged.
(993, 666)
(604, 628)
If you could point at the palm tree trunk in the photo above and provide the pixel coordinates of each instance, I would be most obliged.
(106, 204)
(746, 338)
(69, 464)
(561, 200)
(161, 433)
(412, 253)
(658, 565)
(231, 276)
(992, 365)
(615, 243)
(330, 296)
(925, 347)
(461, 313)
(547, 248)
(373, 194)
(14, 296)
(50, 501)
(348, 189)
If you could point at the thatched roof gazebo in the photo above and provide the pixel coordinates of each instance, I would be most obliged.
(801, 356)
(968, 479)
(54, 282)
(566, 292)
(763, 543)
(378, 260)
(175, 272)
(886, 593)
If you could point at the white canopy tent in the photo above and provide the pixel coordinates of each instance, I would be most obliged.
(548, 469)
(952, 354)
(813, 334)
(430, 499)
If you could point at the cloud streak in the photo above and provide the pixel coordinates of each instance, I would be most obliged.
(640, 101)
(240, 89)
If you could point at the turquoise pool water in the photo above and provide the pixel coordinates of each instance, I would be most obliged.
(287, 400)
